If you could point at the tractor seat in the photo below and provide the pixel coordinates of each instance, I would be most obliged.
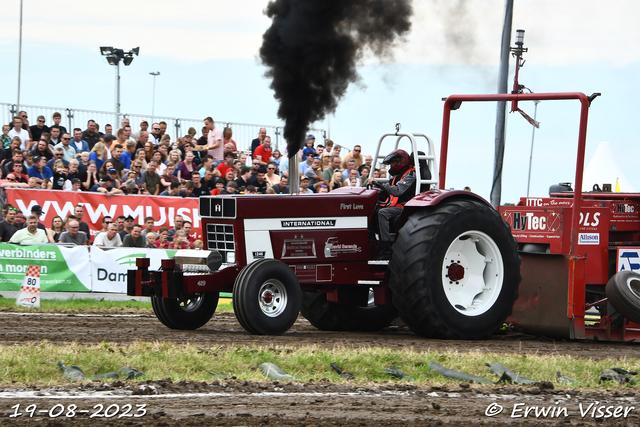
(425, 173)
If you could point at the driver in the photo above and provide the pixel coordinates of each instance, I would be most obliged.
(393, 195)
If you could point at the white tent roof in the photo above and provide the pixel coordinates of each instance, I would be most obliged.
(603, 169)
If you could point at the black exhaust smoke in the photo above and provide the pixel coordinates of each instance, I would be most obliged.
(312, 49)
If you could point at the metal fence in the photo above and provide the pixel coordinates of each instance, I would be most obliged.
(243, 133)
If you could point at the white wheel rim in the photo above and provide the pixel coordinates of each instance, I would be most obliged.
(634, 286)
(472, 273)
(272, 298)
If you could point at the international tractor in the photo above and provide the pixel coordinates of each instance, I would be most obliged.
(456, 270)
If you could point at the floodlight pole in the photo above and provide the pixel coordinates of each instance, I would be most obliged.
(496, 184)
(153, 102)
(118, 90)
(19, 58)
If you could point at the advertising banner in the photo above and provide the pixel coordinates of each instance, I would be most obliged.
(62, 269)
(109, 266)
(628, 259)
(96, 206)
(76, 269)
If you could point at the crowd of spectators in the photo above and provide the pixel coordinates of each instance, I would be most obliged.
(148, 162)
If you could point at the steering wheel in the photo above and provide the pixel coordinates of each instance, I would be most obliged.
(373, 184)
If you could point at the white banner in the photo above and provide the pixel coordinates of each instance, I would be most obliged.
(109, 266)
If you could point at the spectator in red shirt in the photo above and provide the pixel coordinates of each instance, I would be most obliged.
(229, 157)
(263, 152)
(187, 226)
(229, 176)
(18, 169)
(180, 241)
(220, 183)
(162, 242)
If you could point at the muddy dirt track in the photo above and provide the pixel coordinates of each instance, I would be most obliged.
(231, 403)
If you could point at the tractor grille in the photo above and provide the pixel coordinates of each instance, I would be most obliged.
(220, 238)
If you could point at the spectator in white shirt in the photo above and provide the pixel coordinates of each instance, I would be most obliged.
(18, 131)
(110, 239)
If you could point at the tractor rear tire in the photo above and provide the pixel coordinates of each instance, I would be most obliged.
(329, 316)
(266, 297)
(455, 271)
(623, 291)
(188, 313)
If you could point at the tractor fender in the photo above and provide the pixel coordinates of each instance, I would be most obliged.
(431, 198)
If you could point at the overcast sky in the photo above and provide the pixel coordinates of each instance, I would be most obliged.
(206, 52)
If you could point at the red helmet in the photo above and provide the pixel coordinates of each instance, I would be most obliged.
(400, 156)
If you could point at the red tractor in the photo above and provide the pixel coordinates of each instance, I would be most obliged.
(454, 272)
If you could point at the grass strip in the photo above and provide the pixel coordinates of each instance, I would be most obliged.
(36, 363)
(88, 306)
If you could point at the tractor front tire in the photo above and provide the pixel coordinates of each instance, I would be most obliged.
(328, 316)
(266, 297)
(623, 291)
(455, 271)
(237, 311)
(188, 313)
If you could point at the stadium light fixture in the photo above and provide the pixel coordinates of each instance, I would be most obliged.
(114, 56)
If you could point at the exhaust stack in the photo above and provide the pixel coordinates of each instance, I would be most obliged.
(294, 174)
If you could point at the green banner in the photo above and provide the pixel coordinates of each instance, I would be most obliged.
(62, 269)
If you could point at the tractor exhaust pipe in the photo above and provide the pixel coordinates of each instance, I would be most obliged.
(294, 174)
